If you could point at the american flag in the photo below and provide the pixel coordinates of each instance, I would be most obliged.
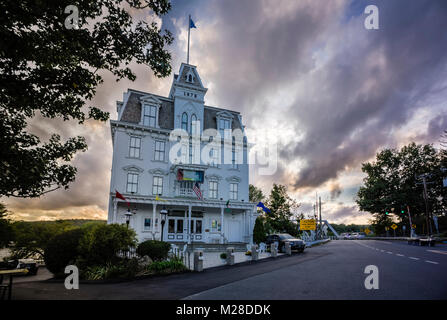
(196, 189)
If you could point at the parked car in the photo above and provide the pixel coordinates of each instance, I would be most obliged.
(29, 264)
(345, 235)
(282, 238)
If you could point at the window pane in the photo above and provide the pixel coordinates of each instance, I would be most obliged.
(171, 225)
(198, 226)
(147, 223)
(179, 226)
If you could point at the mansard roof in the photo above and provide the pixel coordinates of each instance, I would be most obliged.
(131, 111)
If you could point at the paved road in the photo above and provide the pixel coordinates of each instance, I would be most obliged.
(331, 271)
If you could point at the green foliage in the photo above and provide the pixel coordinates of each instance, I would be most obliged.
(50, 70)
(255, 194)
(6, 230)
(125, 269)
(259, 233)
(223, 255)
(248, 253)
(30, 239)
(63, 250)
(154, 249)
(170, 266)
(281, 207)
(390, 184)
(100, 244)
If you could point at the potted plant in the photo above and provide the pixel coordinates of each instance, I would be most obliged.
(223, 257)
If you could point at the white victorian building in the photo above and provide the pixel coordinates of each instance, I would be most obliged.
(156, 168)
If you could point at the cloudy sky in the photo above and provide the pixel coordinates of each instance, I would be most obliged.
(305, 74)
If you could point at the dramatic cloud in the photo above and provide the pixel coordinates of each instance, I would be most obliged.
(329, 92)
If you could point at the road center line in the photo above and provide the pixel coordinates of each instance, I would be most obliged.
(438, 251)
(400, 255)
(413, 258)
(389, 252)
(433, 262)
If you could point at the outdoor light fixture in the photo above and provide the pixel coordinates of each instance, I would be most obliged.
(163, 213)
(128, 214)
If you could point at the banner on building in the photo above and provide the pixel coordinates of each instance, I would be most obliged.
(189, 175)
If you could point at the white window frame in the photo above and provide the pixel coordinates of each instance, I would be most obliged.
(133, 148)
(226, 126)
(148, 228)
(234, 193)
(150, 117)
(132, 183)
(184, 127)
(159, 155)
(213, 193)
(157, 185)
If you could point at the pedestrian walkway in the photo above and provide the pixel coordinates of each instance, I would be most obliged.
(212, 259)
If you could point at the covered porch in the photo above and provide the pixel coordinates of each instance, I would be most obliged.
(188, 220)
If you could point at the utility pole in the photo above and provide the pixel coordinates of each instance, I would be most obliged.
(319, 206)
(425, 195)
(411, 224)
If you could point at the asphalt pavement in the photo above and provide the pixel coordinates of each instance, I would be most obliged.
(331, 271)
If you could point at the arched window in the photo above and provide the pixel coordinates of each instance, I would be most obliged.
(185, 121)
(193, 124)
(190, 78)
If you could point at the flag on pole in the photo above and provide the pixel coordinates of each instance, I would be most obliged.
(264, 208)
(197, 191)
(191, 23)
(120, 196)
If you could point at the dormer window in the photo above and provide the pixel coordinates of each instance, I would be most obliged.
(224, 124)
(150, 116)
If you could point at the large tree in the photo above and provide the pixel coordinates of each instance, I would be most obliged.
(392, 183)
(255, 194)
(49, 64)
(282, 208)
(6, 231)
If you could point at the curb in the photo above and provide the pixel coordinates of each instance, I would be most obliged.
(315, 243)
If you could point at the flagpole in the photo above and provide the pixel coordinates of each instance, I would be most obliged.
(189, 31)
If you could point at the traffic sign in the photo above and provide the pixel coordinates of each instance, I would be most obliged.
(308, 224)
(394, 226)
(367, 231)
(413, 226)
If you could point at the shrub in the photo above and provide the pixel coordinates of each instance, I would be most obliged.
(175, 265)
(154, 249)
(223, 255)
(248, 253)
(62, 250)
(123, 269)
(259, 232)
(100, 243)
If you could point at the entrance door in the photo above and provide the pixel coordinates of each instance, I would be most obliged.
(234, 231)
(197, 229)
(175, 229)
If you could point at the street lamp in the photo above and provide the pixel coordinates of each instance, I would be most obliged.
(163, 213)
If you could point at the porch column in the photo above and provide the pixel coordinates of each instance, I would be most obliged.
(189, 223)
(222, 223)
(115, 209)
(154, 208)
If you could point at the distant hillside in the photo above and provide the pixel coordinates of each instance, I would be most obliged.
(74, 222)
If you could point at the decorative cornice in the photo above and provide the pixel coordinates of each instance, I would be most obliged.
(159, 171)
(233, 179)
(133, 168)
